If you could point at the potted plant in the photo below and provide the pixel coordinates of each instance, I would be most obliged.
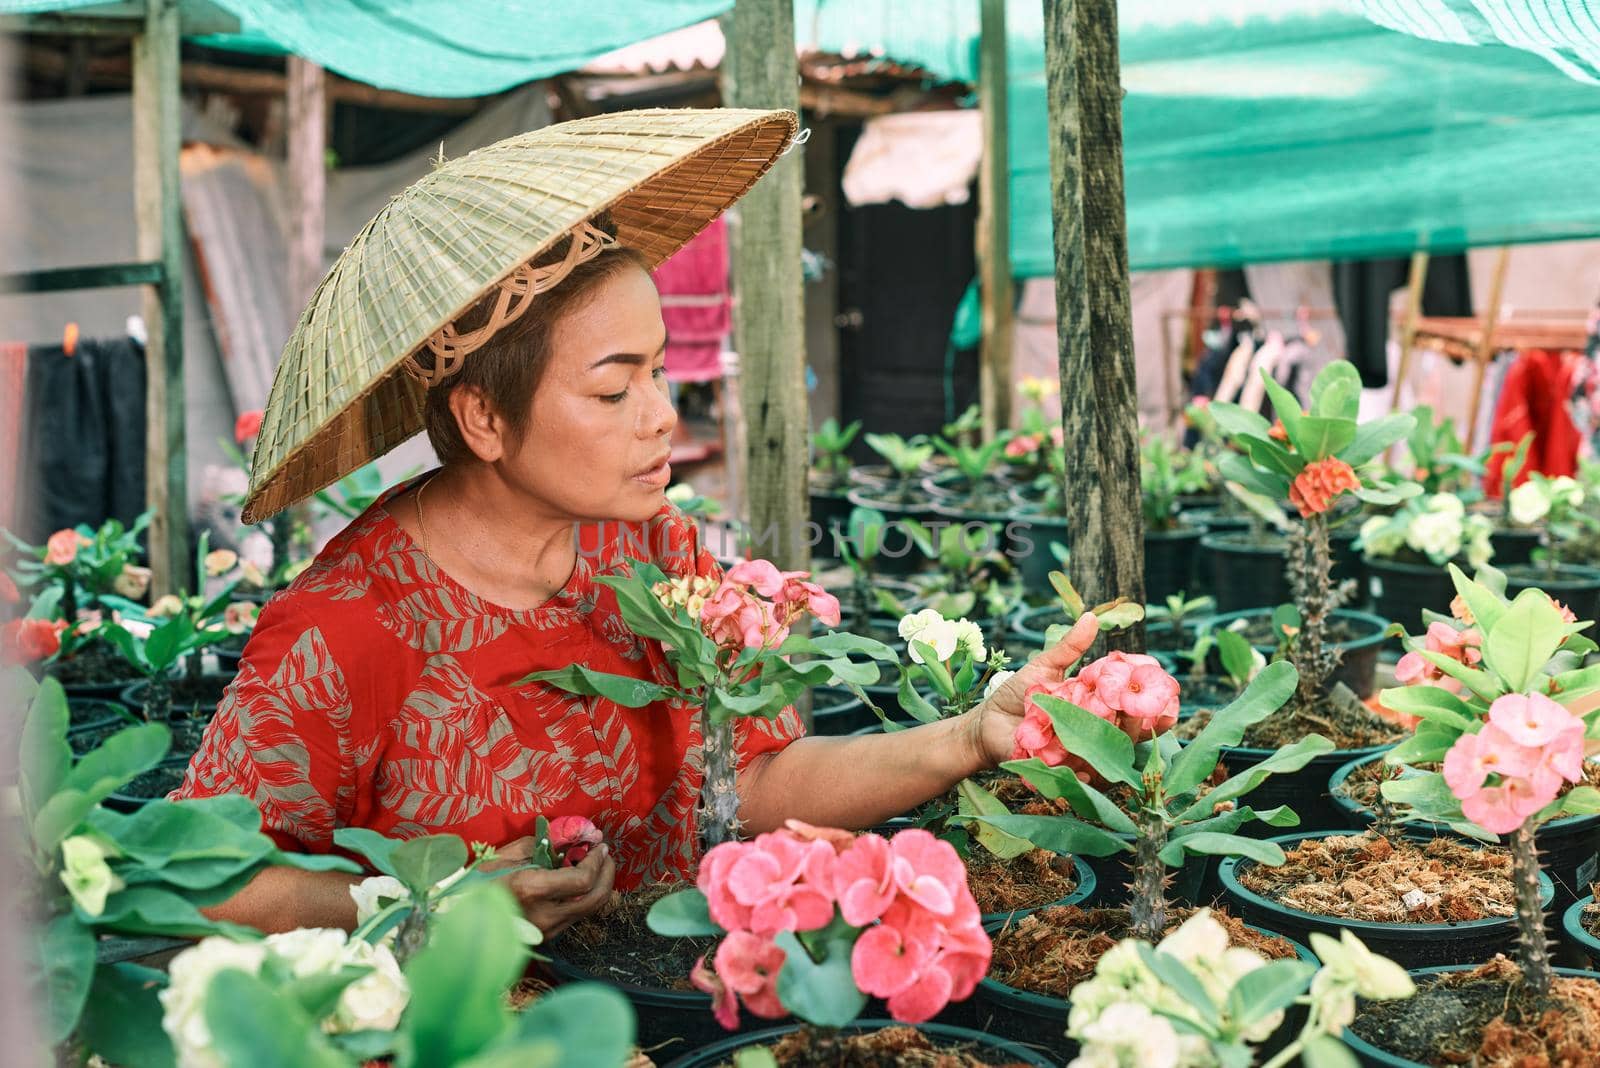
(1513, 759)
(829, 478)
(1169, 545)
(872, 604)
(1192, 1001)
(1406, 553)
(1175, 624)
(1039, 532)
(974, 575)
(842, 920)
(1514, 541)
(1036, 432)
(1553, 507)
(1110, 726)
(728, 653)
(1217, 511)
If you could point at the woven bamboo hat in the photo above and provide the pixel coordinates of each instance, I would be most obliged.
(382, 324)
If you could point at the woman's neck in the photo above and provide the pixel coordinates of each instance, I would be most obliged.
(490, 538)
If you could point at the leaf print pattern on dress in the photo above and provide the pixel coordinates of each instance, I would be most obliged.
(441, 619)
(593, 734)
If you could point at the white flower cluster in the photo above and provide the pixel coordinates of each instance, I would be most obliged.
(1115, 1014)
(944, 636)
(1535, 498)
(375, 893)
(86, 874)
(373, 1002)
(1437, 527)
(1351, 970)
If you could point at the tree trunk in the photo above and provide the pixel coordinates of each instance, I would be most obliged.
(1099, 399)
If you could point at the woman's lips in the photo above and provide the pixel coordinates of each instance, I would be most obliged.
(659, 475)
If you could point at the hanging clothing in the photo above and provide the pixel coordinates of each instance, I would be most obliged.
(1362, 290)
(696, 306)
(1534, 399)
(377, 692)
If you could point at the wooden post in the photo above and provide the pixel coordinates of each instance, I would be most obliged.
(1483, 352)
(1099, 399)
(760, 71)
(308, 182)
(994, 224)
(158, 212)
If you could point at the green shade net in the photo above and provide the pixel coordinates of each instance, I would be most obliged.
(1310, 134)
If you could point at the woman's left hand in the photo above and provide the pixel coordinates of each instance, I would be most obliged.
(995, 720)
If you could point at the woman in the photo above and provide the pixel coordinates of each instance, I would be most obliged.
(381, 689)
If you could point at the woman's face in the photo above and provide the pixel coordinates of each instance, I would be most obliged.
(598, 438)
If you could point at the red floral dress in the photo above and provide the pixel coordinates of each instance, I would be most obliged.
(377, 692)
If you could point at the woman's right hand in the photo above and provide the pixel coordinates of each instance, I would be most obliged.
(553, 900)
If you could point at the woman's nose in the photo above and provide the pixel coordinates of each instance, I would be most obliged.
(659, 417)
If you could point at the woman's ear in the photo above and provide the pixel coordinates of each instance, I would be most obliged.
(482, 429)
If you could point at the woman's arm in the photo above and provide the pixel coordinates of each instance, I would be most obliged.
(856, 782)
(281, 899)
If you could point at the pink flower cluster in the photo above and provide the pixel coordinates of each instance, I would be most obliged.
(1130, 690)
(923, 944)
(1529, 747)
(756, 604)
(571, 838)
(1460, 645)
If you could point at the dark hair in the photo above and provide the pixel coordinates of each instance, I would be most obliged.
(510, 364)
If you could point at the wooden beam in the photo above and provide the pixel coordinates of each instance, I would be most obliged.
(994, 224)
(760, 71)
(1485, 351)
(308, 179)
(158, 212)
(1099, 398)
(104, 276)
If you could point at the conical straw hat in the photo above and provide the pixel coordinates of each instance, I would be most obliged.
(342, 395)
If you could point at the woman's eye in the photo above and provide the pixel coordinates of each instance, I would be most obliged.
(615, 398)
(659, 373)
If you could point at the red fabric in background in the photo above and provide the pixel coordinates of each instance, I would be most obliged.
(13, 380)
(1534, 398)
(693, 283)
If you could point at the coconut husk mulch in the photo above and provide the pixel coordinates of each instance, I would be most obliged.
(1366, 877)
(891, 1047)
(1482, 1018)
(1035, 878)
(1348, 725)
(1053, 950)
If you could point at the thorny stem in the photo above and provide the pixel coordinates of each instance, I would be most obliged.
(1309, 565)
(158, 699)
(1147, 906)
(412, 935)
(1532, 946)
(719, 796)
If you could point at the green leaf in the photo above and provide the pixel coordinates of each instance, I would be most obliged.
(683, 914)
(1579, 801)
(585, 1025)
(913, 704)
(1427, 744)
(1230, 821)
(1290, 758)
(64, 953)
(1336, 392)
(1221, 845)
(1261, 993)
(128, 753)
(1175, 974)
(420, 863)
(1523, 640)
(1431, 703)
(1325, 1051)
(625, 690)
(459, 978)
(1085, 735)
(153, 910)
(1427, 796)
(974, 800)
(318, 994)
(122, 1019)
(1232, 420)
(59, 817)
(1374, 437)
(46, 758)
(1238, 658)
(1580, 682)
(1265, 695)
(755, 1057)
(1325, 437)
(253, 1024)
(1486, 605)
(376, 848)
(1287, 408)
(1235, 468)
(1482, 683)
(823, 992)
(1060, 834)
(1085, 800)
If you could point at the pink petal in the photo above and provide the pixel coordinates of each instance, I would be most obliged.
(884, 963)
(924, 998)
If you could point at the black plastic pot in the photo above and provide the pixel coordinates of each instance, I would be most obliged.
(1358, 663)
(897, 553)
(1031, 533)
(212, 682)
(1246, 573)
(1513, 545)
(1576, 935)
(1030, 623)
(830, 510)
(723, 1052)
(679, 1017)
(94, 721)
(1169, 562)
(836, 711)
(1576, 587)
(872, 476)
(1199, 502)
(1191, 885)
(1400, 592)
(1412, 945)
(1086, 891)
(1214, 520)
(1040, 1020)
(1569, 848)
(1001, 534)
(1305, 791)
(130, 798)
(954, 488)
(1372, 1057)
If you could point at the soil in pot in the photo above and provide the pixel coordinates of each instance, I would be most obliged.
(863, 1045)
(1365, 877)
(1347, 725)
(156, 783)
(1475, 1016)
(95, 721)
(97, 670)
